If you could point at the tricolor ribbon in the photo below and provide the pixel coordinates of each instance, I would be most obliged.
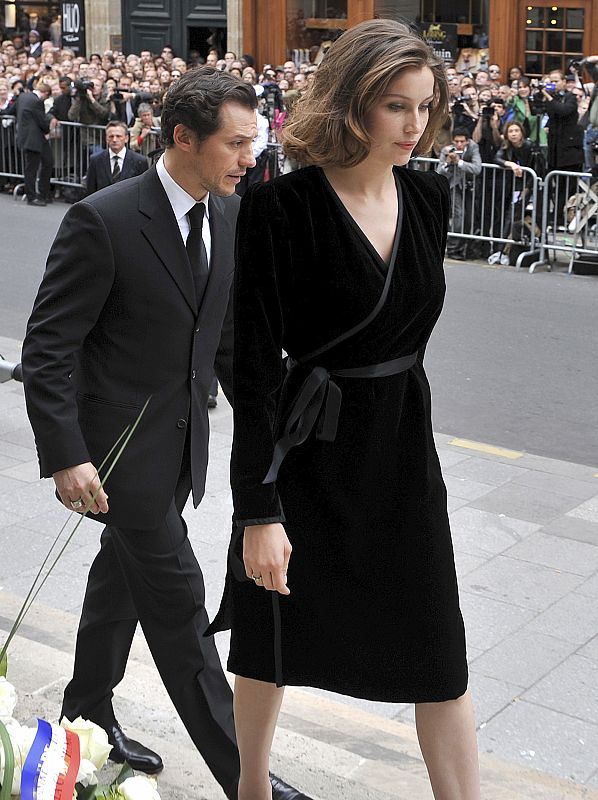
(51, 767)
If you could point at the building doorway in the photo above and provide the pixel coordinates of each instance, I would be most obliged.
(553, 35)
(202, 39)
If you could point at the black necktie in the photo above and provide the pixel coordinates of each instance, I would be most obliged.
(115, 170)
(196, 250)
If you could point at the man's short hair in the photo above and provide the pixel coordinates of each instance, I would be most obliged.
(195, 99)
(461, 132)
(44, 87)
(117, 123)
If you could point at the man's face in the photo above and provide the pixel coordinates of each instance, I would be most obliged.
(504, 92)
(116, 138)
(460, 142)
(300, 82)
(494, 72)
(217, 163)
(560, 84)
(229, 58)
(125, 83)
(65, 87)
(289, 66)
(97, 88)
(482, 79)
(470, 93)
(211, 59)
(154, 87)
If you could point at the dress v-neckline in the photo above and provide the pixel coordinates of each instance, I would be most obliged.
(385, 267)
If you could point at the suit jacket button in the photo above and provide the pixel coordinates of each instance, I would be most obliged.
(182, 423)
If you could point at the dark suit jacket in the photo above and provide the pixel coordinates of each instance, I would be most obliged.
(60, 109)
(32, 122)
(115, 322)
(99, 172)
(565, 135)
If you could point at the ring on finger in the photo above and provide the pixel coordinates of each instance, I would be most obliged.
(77, 504)
(257, 578)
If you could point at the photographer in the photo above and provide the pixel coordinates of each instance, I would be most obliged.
(461, 163)
(565, 135)
(487, 132)
(90, 104)
(465, 110)
(124, 103)
(145, 133)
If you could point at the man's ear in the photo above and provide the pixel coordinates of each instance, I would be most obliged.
(183, 137)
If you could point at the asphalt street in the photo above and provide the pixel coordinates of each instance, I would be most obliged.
(512, 361)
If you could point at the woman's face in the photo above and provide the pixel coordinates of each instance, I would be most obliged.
(399, 118)
(523, 90)
(514, 135)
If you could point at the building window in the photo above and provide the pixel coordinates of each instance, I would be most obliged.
(311, 25)
(553, 37)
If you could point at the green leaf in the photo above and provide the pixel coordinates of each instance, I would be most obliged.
(126, 772)
(94, 792)
(9, 763)
(3, 665)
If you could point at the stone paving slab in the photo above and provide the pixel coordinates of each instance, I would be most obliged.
(525, 533)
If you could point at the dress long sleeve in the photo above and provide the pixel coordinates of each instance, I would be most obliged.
(258, 363)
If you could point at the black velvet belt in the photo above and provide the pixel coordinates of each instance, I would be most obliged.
(318, 404)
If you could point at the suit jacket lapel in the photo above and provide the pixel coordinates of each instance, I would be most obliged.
(162, 232)
(105, 164)
(222, 241)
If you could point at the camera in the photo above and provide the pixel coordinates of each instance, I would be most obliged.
(82, 87)
(157, 131)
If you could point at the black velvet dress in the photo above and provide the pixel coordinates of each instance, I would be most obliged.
(374, 608)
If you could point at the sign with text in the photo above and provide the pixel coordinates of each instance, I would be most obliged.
(442, 38)
(73, 26)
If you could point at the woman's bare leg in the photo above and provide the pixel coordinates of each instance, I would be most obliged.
(256, 707)
(447, 737)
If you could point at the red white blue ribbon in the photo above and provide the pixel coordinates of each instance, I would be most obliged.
(51, 767)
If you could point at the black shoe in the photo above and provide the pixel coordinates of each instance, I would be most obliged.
(212, 402)
(36, 202)
(135, 754)
(282, 790)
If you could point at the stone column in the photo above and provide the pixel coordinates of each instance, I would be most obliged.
(103, 19)
(234, 26)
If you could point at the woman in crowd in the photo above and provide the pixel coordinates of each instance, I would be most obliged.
(340, 265)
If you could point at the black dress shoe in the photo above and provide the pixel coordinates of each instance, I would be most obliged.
(282, 790)
(135, 754)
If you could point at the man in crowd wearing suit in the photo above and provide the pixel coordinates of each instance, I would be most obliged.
(135, 304)
(116, 163)
(33, 126)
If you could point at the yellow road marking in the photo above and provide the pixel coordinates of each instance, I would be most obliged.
(488, 448)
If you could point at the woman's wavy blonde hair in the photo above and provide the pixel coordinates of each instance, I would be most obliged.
(327, 124)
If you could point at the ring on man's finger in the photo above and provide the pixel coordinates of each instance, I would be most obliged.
(257, 578)
(77, 504)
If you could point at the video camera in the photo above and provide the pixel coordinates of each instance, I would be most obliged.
(81, 87)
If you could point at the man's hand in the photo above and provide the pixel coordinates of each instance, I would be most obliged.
(81, 483)
(266, 554)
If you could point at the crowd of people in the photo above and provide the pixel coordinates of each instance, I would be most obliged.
(496, 116)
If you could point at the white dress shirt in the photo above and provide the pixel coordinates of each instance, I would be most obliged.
(182, 202)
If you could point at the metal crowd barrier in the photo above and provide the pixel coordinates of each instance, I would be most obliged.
(72, 145)
(569, 219)
(494, 207)
(9, 371)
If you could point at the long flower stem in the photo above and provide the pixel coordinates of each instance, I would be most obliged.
(35, 589)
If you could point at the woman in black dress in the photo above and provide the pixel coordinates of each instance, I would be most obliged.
(340, 266)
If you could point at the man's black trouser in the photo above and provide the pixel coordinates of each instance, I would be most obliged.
(153, 577)
(34, 162)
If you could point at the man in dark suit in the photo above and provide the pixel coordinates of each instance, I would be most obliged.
(33, 126)
(135, 304)
(116, 163)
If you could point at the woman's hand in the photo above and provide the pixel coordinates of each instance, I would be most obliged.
(266, 554)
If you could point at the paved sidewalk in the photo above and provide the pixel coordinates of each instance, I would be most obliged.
(525, 531)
